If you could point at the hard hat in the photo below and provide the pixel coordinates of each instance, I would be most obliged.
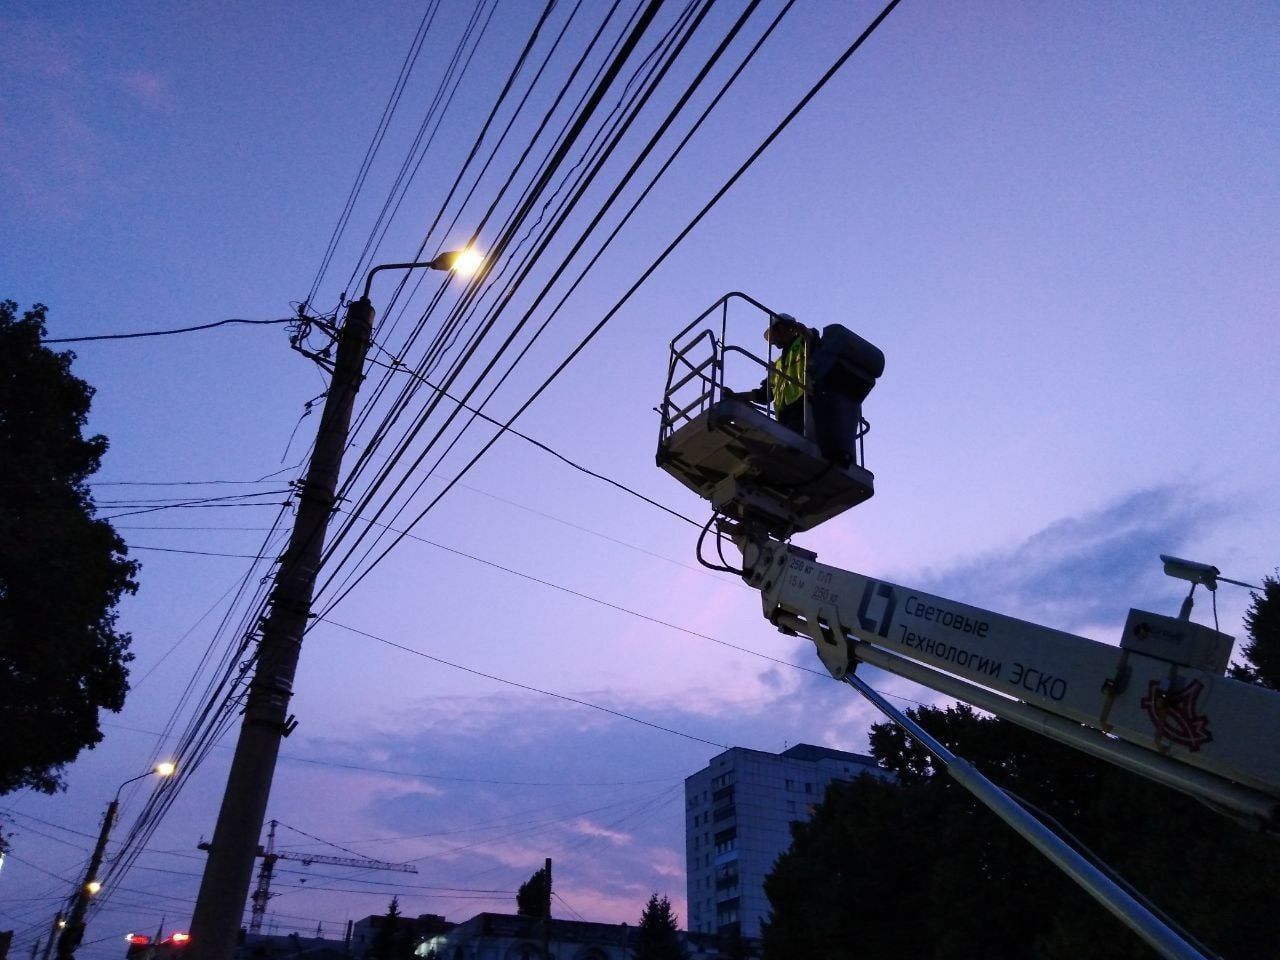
(780, 320)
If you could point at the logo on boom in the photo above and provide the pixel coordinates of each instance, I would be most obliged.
(1175, 714)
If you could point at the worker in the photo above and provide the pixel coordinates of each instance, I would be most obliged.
(787, 382)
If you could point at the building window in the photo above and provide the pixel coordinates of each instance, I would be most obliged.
(791, 784)
(808, 788)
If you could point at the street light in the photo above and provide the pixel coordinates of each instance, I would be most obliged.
(73, 926)
(463, 262)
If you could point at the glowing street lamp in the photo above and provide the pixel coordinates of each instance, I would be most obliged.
(463, 262)
(467, 261)
(73, 926)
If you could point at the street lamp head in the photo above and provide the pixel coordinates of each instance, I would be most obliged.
(166, 768)
(463, 262)
(93, 886)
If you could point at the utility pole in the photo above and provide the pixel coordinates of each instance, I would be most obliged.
(53, 934)
(546, 916)
(73, 932)
(215, 924)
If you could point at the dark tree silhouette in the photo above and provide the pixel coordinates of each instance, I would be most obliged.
(388, 941)
(658, 933)
(62, 571)
(1262, 650)
(533, 899)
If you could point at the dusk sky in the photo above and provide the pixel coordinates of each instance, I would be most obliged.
(1058, 221)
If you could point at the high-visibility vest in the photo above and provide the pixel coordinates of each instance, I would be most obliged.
(788, 373)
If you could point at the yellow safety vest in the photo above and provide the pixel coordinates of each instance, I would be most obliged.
(788, 374)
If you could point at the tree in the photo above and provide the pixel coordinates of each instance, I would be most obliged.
(533, 899)
(387, 942)
(658, 934)
(733, 945)
(914, 866)
(62, 571)
(1262, 649)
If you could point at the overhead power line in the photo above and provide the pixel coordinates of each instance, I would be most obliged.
(402, 368)
(198, 553)
(167, 333)
(524, 686)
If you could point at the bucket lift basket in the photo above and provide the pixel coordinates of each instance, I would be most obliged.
(734, 452)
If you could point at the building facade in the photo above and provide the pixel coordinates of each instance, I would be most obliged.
(738, 815)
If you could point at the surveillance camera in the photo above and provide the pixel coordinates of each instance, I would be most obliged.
(1190, 570)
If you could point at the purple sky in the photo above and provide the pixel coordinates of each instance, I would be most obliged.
(1060, 225)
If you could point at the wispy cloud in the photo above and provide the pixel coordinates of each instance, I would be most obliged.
(150, 88)
(590, 829)
(1090, 568)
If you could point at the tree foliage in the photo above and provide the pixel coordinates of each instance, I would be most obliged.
(62, 571)
(533, 899)
(658, 933)
(389, 942)
(1262, 650)
(916, 867)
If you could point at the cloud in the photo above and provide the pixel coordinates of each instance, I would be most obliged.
(1086, 569)
(589, 829)
(149, 88)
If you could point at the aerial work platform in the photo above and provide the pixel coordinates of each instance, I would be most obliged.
(735, 453)
(752, 468)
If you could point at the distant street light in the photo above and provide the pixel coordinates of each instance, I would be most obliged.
(73, 926)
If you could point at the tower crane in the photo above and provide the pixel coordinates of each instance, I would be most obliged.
(269, 854)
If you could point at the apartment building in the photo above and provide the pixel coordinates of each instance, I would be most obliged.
(738, 812)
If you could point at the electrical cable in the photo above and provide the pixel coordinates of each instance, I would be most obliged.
(165, 333)
(524, 686)
(722, 567)
(196, 553)
(393, 101)
(438, 108)
(548, 449)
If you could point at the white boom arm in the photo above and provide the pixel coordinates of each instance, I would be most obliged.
(1158, 704)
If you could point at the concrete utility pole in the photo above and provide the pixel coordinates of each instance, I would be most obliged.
(53, 934)
(546, 916)
(215, 925)
(74, 930)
